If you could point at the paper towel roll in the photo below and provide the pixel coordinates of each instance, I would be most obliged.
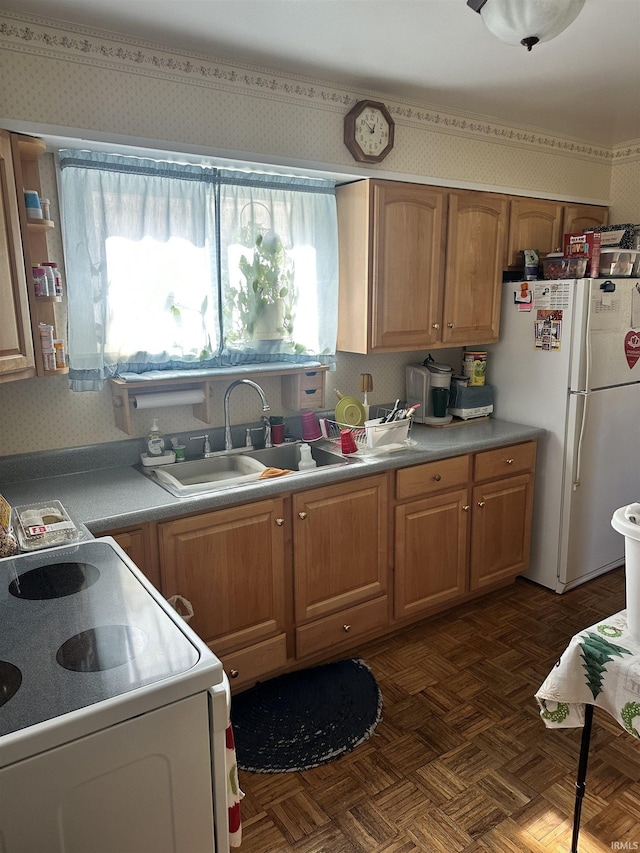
(168, 398)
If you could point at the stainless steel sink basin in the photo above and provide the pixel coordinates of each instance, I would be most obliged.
(205, 475)
(288, 455)
(229, 470)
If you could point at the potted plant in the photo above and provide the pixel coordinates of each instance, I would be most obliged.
(264, 300)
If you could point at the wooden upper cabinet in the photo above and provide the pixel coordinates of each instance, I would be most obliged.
(16, 343)
(577, 217)
(391, 263)
(476, 234)
(533, 224)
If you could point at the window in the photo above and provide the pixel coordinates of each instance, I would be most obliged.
(175, 266)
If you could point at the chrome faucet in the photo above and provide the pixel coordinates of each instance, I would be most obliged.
(228, 441)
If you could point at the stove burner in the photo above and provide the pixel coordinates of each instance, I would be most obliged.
(56, 580)
(10, 681)
(104, 647)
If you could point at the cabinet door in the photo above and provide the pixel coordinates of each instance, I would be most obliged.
(230, 565)
(136, 543)
(476, 236)
(533, 224)
(430, 552)
(577, 217)
(339, 546)
(16, 343)
(501, 530)
(408, 254)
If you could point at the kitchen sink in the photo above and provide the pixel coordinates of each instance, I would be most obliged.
(288, 455)
(237, 468)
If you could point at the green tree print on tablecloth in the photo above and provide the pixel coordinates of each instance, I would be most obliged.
(596, 652)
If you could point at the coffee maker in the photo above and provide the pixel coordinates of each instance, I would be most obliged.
(421, 380)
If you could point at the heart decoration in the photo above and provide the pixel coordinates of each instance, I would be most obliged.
(632, 347)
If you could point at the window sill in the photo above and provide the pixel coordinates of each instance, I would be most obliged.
(124, 392)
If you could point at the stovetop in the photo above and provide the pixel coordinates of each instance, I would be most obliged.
(79, 625)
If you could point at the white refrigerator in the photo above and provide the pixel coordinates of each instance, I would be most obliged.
(567, 361)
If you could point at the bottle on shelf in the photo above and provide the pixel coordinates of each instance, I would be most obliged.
(40, 285)
(47, 346)
(54, 277)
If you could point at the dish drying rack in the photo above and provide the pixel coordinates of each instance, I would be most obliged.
(374, 437)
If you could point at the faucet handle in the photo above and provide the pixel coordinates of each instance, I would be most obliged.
(207, 446)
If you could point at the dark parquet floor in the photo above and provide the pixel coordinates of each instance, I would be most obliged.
(462, 762)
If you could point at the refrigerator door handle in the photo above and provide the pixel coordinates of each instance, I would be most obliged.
(585, 394)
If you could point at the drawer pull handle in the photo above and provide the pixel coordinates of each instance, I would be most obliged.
(437, 477)
(510, 461)
(233, 673)
(435, 326)
(450, 325)
(481, 504)
(466, 507)
(279, 521)
(302, 515)
(346, 628)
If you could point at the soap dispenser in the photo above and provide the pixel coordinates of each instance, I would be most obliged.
(306, 460)
(155, 440)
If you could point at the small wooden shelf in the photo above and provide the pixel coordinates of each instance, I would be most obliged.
(40, 224)
(59, 371)
(48, 299)
(123, 393)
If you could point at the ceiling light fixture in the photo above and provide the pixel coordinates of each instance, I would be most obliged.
(526, 22)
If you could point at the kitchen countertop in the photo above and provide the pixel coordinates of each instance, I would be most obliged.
(105, 498)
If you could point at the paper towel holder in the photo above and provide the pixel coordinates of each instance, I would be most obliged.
(124, 393)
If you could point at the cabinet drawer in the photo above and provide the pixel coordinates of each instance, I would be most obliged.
(431, 477)
(505, 461)
(348, 625)
(250, 664)
(303, 390)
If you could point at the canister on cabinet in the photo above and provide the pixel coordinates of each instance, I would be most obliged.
(474, 367)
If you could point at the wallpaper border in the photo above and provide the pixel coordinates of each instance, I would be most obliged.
(75, 43)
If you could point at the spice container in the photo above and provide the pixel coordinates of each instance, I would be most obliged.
(32, 204)
(474, 367)
(54, 278)
(60, 358)
(39, 281)
(45, 204)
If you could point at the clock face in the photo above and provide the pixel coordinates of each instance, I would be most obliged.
(368, 131)
(372, 132)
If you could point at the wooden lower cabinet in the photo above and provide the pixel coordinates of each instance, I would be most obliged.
(461, 525)
(501, 535)
(340, 562)
(138, 544)
(230, 564)
(431, 552)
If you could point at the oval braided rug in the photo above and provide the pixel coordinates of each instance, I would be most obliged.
(304, 719)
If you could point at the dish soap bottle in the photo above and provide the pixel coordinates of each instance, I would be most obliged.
(306, 460)
(155, 440)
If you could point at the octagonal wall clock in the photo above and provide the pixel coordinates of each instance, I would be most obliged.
(369, 131)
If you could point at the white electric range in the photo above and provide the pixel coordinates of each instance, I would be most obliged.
(112, 711)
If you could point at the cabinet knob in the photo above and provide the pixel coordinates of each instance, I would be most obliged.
(435, 326)
(302, 515)
(279, 521)
(233, 673)
(481, 504)
(450, 325)
(437, 477)
(466, 507)
(509, 461)
(346, 628)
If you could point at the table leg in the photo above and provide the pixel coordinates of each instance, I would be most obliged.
(582, 775)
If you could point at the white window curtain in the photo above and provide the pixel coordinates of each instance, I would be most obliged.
(172, 266)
